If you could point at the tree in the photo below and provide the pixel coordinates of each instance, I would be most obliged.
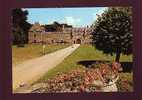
(20, 26)
(113, 31)
(53, 27)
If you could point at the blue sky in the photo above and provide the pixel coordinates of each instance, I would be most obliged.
(78, 17)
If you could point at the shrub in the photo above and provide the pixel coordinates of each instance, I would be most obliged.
(83, 80)
(125, 83)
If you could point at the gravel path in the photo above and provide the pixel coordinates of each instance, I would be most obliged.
(29, 71)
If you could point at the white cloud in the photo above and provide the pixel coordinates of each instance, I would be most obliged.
(69, 20)
(51, 22)
(72, 21)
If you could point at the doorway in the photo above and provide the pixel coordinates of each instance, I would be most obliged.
(78, 41)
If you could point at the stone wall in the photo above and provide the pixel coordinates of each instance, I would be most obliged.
(68, 35)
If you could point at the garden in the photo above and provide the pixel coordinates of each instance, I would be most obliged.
(108, 61)
(104, 65)
(78, 66)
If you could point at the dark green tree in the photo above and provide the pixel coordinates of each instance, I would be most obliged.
(113, 31)
(20, 26)
(53, 27)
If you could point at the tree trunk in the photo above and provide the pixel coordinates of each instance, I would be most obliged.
(117, 56)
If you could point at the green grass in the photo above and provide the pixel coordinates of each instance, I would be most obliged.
(83, 53)
(20, 54)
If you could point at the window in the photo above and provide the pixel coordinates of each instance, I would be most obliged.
(34, 41)
(34, 35)
(52, 41)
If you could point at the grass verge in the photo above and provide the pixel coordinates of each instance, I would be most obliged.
(83, 53)
(20, 54)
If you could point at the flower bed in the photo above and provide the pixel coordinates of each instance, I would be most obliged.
(80, 80)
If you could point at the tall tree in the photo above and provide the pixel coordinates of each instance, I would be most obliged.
(113, 31)
(20, 26)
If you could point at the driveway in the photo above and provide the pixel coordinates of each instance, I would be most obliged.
(31, 70)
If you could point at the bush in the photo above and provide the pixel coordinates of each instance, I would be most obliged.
(84, 80)
(21, 45)
(125, 83)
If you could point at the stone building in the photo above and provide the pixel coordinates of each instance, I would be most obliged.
(66, 34)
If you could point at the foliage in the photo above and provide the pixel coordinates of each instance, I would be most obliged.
(86, 53)
(20, 26)
(125, 83)
(55, 27)
(74, 81)
(113, 31)
(78, 80)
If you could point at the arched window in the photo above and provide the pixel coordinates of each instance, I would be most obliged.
(34, 35)
(62, 41)
(34, 41)
(52, 41)
(78, 41)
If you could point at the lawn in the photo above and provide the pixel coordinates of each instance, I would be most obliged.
(85, 53)
(20, 54)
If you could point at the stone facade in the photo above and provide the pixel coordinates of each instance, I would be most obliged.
(37, 34)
